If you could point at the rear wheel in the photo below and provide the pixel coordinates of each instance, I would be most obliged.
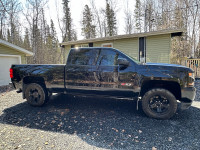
(36, 95)
(159, 103)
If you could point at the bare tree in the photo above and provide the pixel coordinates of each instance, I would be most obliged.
(15, 8)
(194, 9)
(33, 16)
(129, 22)
(9, 20)
(100, 19)
(3, 16)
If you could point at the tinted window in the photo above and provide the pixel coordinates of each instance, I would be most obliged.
(82, 57)
(121, 56)
(107, 58)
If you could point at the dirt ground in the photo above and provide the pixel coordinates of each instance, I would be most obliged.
(93, 123)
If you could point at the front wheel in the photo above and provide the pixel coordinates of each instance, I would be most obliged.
(159, 103)
(36, 95)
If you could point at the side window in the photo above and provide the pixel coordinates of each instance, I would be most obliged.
(82, 57)
(107, 58)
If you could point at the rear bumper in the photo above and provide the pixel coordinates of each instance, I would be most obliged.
(188, 96)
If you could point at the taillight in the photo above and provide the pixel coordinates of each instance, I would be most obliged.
(11, 73)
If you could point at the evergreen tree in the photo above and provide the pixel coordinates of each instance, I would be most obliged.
(111, 20)
(49, 45)
(88, 29)
(74, 35)
(27, 44)
(54, 43)
(53, 35)
(67, 21)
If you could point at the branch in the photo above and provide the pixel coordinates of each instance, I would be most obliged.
(4, 6)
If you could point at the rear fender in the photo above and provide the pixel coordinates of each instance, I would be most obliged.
(30, 79)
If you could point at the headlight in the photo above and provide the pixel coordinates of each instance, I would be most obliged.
(191, 79)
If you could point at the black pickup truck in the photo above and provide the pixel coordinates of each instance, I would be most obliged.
(107, 72)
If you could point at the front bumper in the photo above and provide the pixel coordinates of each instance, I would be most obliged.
(187, 97)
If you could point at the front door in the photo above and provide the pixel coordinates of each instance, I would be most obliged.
(128, 78)
(113, 80)
(106, 73)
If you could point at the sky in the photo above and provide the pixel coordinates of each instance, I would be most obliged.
(76, 8)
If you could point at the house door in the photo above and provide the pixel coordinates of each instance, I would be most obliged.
(142, 49)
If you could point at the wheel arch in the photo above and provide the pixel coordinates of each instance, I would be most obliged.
(173, 87)
(31, 79)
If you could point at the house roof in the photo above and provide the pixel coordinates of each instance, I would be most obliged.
(175, 32)
(17, 48)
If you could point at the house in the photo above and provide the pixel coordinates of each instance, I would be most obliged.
(10, 54)
(146, 47)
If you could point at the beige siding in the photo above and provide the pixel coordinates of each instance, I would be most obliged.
(24, 60)
(128, 46)
(158, 48)
(9, 51)
(99, 44)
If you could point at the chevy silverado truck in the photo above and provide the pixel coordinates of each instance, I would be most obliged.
(108, 72)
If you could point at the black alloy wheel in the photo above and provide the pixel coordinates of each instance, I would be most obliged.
(159, 104)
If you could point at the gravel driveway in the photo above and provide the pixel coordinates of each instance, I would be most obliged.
(80, 123)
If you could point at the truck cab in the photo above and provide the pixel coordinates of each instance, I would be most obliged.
(102, 71)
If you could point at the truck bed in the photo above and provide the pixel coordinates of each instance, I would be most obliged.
(51, 75)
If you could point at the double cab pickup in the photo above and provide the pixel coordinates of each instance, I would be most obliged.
(108, 72)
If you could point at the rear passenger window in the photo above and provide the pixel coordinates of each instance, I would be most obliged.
(82, 57)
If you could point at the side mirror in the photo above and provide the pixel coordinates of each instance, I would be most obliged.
(123, 63)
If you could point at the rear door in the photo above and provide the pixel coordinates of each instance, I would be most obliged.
(79, 77)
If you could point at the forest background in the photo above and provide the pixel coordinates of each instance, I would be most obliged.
(40, 25)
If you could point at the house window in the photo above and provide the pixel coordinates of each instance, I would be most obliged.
(85, 45)
(91, 44)
(82, 45)
(107, 45)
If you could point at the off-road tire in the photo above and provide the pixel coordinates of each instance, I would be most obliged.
(154, 95)
(36, 95)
